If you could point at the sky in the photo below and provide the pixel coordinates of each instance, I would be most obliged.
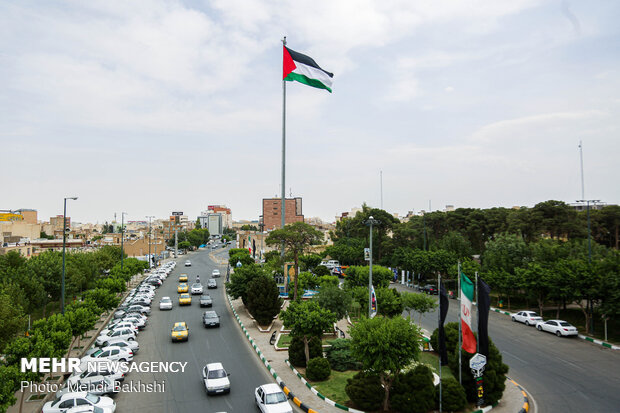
(150, 107)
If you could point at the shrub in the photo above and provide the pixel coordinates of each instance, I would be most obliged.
(413, 391)
(318, 369)
(320, 270)
(365, 391)
(339, 355)
(452, 395)
(296, 351)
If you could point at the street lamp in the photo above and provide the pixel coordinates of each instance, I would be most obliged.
(370, 222)
(122, 238)
(64, 240)
(150, 258)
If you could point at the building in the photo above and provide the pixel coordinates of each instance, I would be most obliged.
(57, 222)
(220, 209)
(214, 222)
(272, 212)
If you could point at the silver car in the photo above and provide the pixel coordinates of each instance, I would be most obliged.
(165, 303)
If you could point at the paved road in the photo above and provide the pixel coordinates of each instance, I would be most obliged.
(562, 374)
(184, 392)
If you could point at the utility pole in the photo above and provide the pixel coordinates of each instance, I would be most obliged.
(370, 222)
(64, 240)
(150, 258)
(122, 238)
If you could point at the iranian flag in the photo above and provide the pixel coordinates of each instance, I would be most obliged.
(301, 68)
(467, 296)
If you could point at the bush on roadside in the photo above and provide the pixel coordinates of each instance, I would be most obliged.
(365, 391)
(318, 369)
(413, 391)
(297, 354)
(452, 395)
(263, 299)
(339, 355)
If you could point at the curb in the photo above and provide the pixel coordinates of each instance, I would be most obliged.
(526, 402)
(313, 390)
(280, 382)
(581, 336)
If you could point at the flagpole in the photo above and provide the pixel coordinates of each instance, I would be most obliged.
(283, 208)
(478, 314)
(460, 319)
(439, 328)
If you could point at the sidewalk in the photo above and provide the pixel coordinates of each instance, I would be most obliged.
(513, 400)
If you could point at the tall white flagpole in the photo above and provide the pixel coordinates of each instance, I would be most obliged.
(439, 326)
(460, 318)
(478, 317)
(283, 201)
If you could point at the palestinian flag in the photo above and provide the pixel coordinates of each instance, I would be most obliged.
(301, 68)
(467, 296)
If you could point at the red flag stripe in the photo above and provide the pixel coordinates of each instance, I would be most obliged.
(288, 63)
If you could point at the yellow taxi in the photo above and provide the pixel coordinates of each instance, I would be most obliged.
(185, 299)
(180, 332)
(183, 278)
(182, 288)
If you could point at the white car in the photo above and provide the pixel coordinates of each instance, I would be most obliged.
(120, 326)
(165, 303)
(188, 263)
(88, 409)
(215, 379)
(530, 318)
(558, 327)
(197, 288)
(271, 399)
(69, 400)
(98, 385)
(131, 345)
(103, 372)
(124, 334)
(215, 273)
(107, 353)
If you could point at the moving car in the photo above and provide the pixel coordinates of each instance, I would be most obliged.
(271, 399)
(180, 332)
(197, 288)
(211, 283)
(530, 318)
(182, 288)
(558, 327)
(430, 289)
(165, 303)
(211, 319)
(215, 379)
(188, 263)
(183, 278)
(205, 300)
(69, 400)
(185, 299)
(215, 273)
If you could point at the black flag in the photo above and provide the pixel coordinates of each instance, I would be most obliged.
(484, 304)
(441, 334)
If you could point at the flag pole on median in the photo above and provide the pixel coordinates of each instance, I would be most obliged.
(460, 318)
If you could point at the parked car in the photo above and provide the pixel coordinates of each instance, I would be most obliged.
(211, 319)
(430, 289)
(69, 400)
(131, 345)
(560, 328)
(120, 326)
(197, 288)
(205, 300)
(98, 385)
(106, 353)
(211, 283)
(271, 399)
(165, 303)
(125, 334)
(530, 318)
(104, 371)
(215, 273)
(215, 379)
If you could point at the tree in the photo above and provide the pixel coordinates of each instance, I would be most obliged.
(385, 346)
(81, 319)
(309, 261)
(413, 391)
(335, 300)
(12, 319)
(263, 299)
(307, 319)
(103, 298)
(389, 303)
(184, 245)
(297, 239)
(358, 276)
(420, 303)
(240, 280)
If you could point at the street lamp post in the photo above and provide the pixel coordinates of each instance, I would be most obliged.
(64, 240)
(122, 238)
(150, 258)
(370, 222)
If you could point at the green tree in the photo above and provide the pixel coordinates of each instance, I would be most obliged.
(414, 391)
(12, 319)
(309, 261)
(307, 319)
(420, 303)
(297, 239)
(358, 276)
(389, 303)
(240, 280)
(335, 300)
(103, 298)
(263, 299)
(385, 346)
(81, 320)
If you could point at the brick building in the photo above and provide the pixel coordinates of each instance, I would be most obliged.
(272, 217)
